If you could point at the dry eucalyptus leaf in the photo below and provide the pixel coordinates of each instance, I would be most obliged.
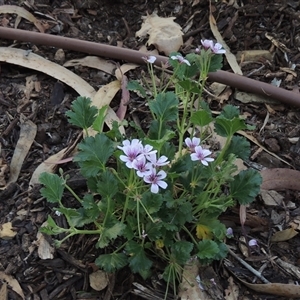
(189, 287)
(280, 179)
(45, 250)
(284, 235)
(163, 33)
(26, 138)
(6, 232)
(13, 283)
(23, 13)
(271, 197)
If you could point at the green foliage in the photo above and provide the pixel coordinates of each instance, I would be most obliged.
(238, 146)
(82, 114)
(165, 106)
(100, 119)
(229, 122)
(144, 208)
(138, 261)
(111, 262)
(54, 187)
(109, 234)
(94, 153)
(135, 86)
(246, 186)
(201, 118)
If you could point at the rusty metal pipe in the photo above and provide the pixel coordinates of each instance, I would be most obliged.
(113, 52)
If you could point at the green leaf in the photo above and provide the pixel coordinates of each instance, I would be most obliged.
(54, 187)
(138, 261)
(51, 228)
(111, 262)
(227, 127)
(230, 112)
(152, 202)
(109, 234)
(216, 63)
(107, 185)
(135, 86)
(181, 251)
(100, 119)
(246, 186)
(190, 86)
(223, 251)
(165, 106)
(207, 249)
(154, 231)
(93, 154)
(82, 114)
(74, 218)
(239, 146)
(159, 143)
(201, 118)
(154, 130)
(114, 133)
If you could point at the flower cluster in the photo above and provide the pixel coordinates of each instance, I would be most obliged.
(215, 48)
(197, 152)
(144, 160)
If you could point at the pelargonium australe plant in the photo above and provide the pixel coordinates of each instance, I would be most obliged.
(156, 195)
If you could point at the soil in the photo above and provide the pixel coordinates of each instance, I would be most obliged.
(245, 25)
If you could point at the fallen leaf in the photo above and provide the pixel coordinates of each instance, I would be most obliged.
(246, 97)
(229, 56)
(49, 165)
(280, 179)
(3, 291)
(271, 197)
(190, 286)
(278, 289)
(26, 138)
(289, 268)
(232, 292)
(33, 61)
(22, 12)
(121, 112)
(92, 62)
(13, 283)
(254, 55)
(284, 235)
(163, 33)
(45, 250)
(98, 280)
(6, 232)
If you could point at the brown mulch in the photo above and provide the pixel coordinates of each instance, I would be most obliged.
(245, 25)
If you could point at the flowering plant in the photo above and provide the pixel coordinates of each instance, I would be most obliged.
(157, 194)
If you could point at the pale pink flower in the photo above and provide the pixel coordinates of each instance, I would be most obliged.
(253, 243)
(216, 48)
(192, 143)
(162, 161)
(147, 150)
(142, 167)
(132, 149)
(201, 155)
(150, 59)
(180, 59)
(156, 180)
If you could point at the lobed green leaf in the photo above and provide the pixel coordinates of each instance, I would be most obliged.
(54, 187)
(111, 262)
(93, 154)
(82, 114)
(246, 186)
